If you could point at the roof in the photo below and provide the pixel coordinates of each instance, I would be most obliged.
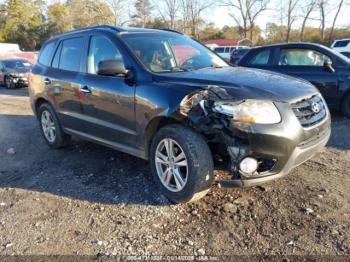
(117, 29)
(291, 44)
(225, 42)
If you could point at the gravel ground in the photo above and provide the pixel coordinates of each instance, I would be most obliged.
(90, 200)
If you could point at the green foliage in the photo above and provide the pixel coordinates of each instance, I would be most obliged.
(57, 19)
(30, 22)
(23, 22)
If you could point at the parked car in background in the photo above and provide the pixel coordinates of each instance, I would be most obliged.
(160, 95)
(342, 46)
(14, 72)
(328, 70)
(225, 51)
(237, 55)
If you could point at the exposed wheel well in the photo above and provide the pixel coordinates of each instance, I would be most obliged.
(38, 103)
(154, 126)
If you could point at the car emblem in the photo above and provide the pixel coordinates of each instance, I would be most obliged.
(315, 107)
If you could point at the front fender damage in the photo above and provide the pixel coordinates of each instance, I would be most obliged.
(219, 129)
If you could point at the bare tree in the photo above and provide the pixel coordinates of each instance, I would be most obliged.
(340, 5)
(322, 7)
(307, 11)
(191, 14)
(291, 16)
(116, 7)
(169, 11)
(143, 12)
(248, 12)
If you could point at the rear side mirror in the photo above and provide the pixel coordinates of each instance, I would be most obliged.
(329, 65)
(111, 68)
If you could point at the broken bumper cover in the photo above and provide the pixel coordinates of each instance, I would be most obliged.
(288, 144)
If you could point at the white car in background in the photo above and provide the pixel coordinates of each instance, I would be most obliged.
(342, 46)
(225, 51)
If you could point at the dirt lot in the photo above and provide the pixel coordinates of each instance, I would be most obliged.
(87, 199)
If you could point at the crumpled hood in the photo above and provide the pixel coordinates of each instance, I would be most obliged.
(245, 83)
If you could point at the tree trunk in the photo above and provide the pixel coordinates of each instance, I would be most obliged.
(335, 20)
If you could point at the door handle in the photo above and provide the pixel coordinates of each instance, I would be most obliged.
(47, 81)
(85, 89)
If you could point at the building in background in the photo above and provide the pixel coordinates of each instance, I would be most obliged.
(227, 42)
(12, 51)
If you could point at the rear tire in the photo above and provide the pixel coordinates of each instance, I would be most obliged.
(51, 128)
(345, 106)
(190, 162)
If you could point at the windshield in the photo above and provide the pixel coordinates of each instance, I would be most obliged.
(17, 64)
(171, 53)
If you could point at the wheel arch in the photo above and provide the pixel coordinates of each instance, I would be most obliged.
(157, 123)
(38, 102)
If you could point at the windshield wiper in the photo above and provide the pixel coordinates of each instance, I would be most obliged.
(180, 69)
(212, 66)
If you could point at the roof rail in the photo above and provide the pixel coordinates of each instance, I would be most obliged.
(82, 29)
(170, 30)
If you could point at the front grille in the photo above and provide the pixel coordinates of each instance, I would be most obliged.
(310, 111)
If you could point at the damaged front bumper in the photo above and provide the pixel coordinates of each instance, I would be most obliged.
(278, 147)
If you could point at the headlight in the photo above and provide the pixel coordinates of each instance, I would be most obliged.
(250, 111)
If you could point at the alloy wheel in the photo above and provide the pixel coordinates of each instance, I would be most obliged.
(171, 164)
(48, 126)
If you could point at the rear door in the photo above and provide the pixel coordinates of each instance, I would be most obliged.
(108, 102)
(308, 64)
(64, 82)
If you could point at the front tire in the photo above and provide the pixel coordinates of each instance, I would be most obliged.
(181, 163)
(51, 127)
(345, 106)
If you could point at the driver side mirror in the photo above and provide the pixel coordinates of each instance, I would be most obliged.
(329, 65)
(111, 68)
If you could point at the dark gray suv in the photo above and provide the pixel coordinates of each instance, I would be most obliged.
(159, 95)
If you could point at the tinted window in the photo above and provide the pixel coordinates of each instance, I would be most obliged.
(71, 54)
(101, 49)
(261, 58)
(56, 58)
(45, 54)
(342, 43)
(347, 54)
(219, 49)
(301, 57)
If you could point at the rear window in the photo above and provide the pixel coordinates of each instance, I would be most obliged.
(261, 58)
(71, 54)
(45, 54)
(342, 43)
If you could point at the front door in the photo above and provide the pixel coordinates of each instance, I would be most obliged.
(308, 64)
(108, 101)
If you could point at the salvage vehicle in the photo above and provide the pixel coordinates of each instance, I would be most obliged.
(161, 96)
(14, 72)
(328, 70)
